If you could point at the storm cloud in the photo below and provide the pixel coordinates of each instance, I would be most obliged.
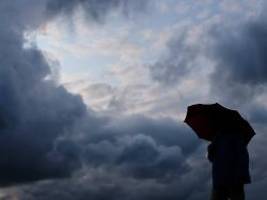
(240, 54)
(127, 158)
(36, 112)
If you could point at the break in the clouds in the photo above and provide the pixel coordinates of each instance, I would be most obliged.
(61, 148)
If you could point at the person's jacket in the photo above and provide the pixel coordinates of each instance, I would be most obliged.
(230, 160)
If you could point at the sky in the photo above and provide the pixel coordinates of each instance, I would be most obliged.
(93, 94)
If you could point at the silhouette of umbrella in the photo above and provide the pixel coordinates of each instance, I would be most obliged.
(207, 119)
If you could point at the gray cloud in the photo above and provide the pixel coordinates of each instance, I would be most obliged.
(177, 62)
(258, 114)
(128, 158)
(136, 144)
(111, 185)
(120, 162)
(240, 54)
(35, 113)
(234, 48)
(95, 9)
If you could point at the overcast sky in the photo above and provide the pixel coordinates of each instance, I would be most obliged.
(93, 94)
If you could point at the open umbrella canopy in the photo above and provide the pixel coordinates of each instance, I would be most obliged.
(207, 119)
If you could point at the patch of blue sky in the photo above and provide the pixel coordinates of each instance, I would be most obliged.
(102, 45)
(87, 65)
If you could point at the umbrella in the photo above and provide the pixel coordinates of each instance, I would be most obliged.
(207, 119)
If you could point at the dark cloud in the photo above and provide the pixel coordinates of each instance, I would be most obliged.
(240, 55)
(128, 158)
(35, 112)
(138, 147)
(143, 158)
(130, 167)
(114, 130)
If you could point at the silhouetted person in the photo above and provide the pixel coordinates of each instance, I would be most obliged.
(230, 165)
